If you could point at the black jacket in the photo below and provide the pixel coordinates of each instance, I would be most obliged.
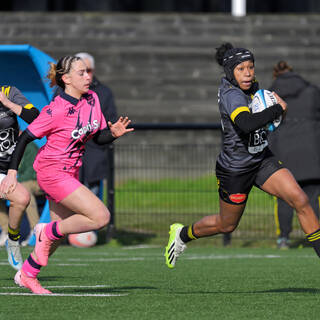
(94, 160)
(297, 141)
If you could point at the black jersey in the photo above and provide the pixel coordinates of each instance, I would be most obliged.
(9, 128)
(240, 151)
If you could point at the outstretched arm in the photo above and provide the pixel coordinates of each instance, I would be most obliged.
(115, 130)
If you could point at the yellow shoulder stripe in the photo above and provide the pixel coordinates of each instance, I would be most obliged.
(6, 90)
(29, 106)
(237, 111)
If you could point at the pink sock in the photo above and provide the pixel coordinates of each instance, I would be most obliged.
(52, 230)
(30, 267)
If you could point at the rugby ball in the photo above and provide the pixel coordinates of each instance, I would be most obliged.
(83, 240)
(262, 100)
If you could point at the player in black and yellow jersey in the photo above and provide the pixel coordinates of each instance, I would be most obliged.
(12, 104)
(245, 159)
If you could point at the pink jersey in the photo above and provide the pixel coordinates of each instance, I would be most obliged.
(67, 123)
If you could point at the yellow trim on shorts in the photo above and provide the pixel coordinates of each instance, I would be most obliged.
(29, 106)
(237, 111)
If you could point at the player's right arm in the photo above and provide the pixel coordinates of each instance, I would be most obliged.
(13, 99)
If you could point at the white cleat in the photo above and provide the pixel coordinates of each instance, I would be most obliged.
(175, 245)
(14, 254)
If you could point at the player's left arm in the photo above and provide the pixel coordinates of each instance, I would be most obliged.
(249, 122)
(240, 115)
(14, 100)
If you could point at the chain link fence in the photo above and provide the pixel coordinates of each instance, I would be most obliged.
(157, 185)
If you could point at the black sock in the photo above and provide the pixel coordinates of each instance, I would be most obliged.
(187, 234)
(14, 234)
(314, 239)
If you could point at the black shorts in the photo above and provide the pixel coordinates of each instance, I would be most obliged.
(234, 186)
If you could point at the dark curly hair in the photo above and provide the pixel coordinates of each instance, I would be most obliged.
(220, 51)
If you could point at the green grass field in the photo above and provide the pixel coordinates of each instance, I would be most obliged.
(134, 283)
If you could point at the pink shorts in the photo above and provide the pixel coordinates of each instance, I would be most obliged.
(58, 186)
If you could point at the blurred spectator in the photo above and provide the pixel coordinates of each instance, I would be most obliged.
(94, 160)
(296, 141)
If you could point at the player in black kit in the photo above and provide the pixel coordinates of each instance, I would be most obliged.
(245, 159)
(13, 104)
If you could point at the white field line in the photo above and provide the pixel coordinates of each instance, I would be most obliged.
(63, 294)
(74, 262)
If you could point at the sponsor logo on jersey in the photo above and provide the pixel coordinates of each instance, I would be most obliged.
(77, 133)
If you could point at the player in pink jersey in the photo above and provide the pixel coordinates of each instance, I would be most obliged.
(68, 122)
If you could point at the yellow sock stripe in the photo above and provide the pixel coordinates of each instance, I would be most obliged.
(317, 232)
(276, 216)
(313, 239)
(13, 231)
(314, 236)
(190, 234)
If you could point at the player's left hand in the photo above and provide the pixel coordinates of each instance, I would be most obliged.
(119, 128)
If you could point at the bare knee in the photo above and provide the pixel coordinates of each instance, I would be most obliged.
(102, 219)
(299, 200)
(22, 200)
(228, 228)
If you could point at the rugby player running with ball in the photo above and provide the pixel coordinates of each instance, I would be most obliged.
(245, 159)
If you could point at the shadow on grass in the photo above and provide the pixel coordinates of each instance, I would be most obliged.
(124, 237)
(291, 290)
(280, 290)
(133, 237)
